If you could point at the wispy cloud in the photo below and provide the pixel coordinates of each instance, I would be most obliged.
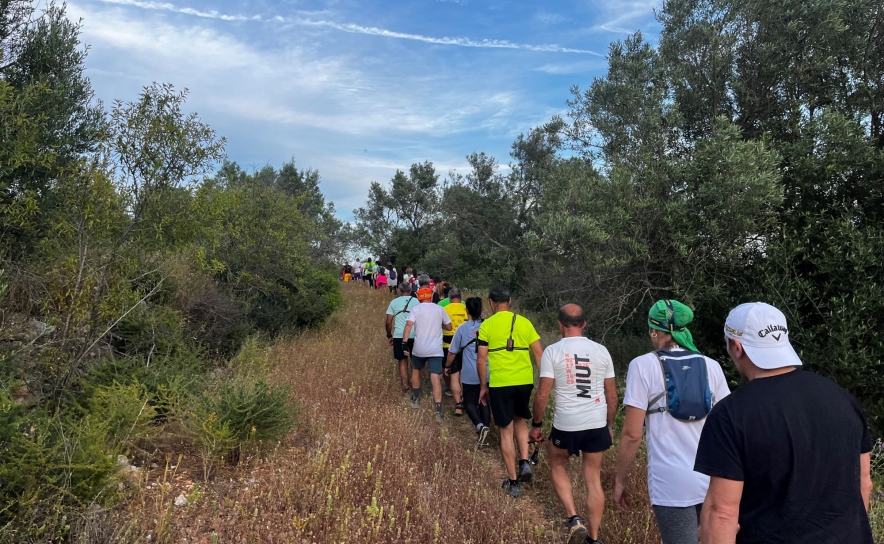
(629, 16)
(355, 29)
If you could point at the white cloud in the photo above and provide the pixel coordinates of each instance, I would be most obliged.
(571, 67)
(625, 17)
(354, 118)
(354, 29)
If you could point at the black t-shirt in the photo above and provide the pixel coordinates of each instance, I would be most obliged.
(794, 440)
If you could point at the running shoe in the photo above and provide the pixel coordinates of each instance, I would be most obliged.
(415, 402)
(458, 409)
(447, 392)
(525, 471)
(483, 436)
(513, 489)
(439, 417)
(591, 541)
(577, 531)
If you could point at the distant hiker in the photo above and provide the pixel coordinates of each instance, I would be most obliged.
(582, 373)
(369, 271)
(462, 362)
(397, 315)
(380, 278)
(392, 277)
(788, 452)
(357, 270)
(428, 321)
(695, 383)
(457, 312)
(446, 288)
(505, 343)
(437, 286)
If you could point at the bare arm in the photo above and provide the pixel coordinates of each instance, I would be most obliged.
(406, 334)
(865, 474)
(446, 326)
(611, 400)
(630, 441)
(537, 349)
(542, 397)
(481, 366)
(388, 324)
(721, 511)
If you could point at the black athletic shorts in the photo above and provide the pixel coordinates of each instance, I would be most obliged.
(397, 348)
(587, 441)
(456, 364)
(509, 401)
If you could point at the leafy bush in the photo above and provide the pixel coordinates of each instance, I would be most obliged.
(238, 418)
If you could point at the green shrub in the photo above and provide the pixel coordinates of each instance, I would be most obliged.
(53, 465)
(240, 417)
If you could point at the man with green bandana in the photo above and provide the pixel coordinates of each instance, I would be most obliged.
(676, 491)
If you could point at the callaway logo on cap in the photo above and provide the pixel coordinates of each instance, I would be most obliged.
(761, 330)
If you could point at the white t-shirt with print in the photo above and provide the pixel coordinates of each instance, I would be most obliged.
(428, 319)
(578, 367)
(672, 443)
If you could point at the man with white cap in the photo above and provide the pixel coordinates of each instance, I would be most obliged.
(788, 453)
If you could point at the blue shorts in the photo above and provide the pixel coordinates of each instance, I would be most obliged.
(435, 363)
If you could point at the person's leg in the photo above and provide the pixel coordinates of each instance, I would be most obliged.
(436, 382)
(456, 388)
(521, 432)
(403, 373)
(595, 496)
(558, 469)
(678, 525)
(471, 403)
(508, 450)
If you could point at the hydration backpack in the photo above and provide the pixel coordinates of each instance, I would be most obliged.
(687, 394)
(392, 273)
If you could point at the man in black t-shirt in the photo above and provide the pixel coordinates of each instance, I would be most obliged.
(788, 453)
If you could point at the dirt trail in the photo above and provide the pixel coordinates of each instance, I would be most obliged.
(366, 467)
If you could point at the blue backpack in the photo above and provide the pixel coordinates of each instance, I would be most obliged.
(393, 274)
(688, 396)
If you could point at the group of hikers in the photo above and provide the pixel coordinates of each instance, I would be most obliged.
(783, 459)
(377, 276)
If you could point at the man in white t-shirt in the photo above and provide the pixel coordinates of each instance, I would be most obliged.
(582, 373)
(428, 321)
(676, 491)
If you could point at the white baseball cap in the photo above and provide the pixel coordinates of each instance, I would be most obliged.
(762, 331)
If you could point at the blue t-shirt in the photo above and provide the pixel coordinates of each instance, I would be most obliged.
(465, 333)
(400, 307)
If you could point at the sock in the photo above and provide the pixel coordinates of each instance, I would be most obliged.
(438, 406)
(514, 482)
(521, 461)
(572, 518)
(479, 426)
(415, 393)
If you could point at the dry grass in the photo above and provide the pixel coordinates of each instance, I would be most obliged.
(364, 467)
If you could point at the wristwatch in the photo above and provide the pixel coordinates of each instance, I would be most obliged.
(536, 424)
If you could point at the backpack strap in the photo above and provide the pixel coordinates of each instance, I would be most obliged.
(407, 308)
(510, 340)
(665, 407)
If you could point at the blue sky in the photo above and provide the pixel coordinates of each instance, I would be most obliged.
(358, 89)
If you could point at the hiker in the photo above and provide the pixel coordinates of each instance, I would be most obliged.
(368, 273)
(461, 364)
(457, 312)
(582, 373)
(446, 288)
(505, 341)
(392, 277)
(788, 453)
(357, 270)
(428, 321)
(397, 314)
(673, 429)
(437, 286)
(380, 278)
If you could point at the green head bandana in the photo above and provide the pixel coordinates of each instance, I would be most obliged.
(672, 316)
